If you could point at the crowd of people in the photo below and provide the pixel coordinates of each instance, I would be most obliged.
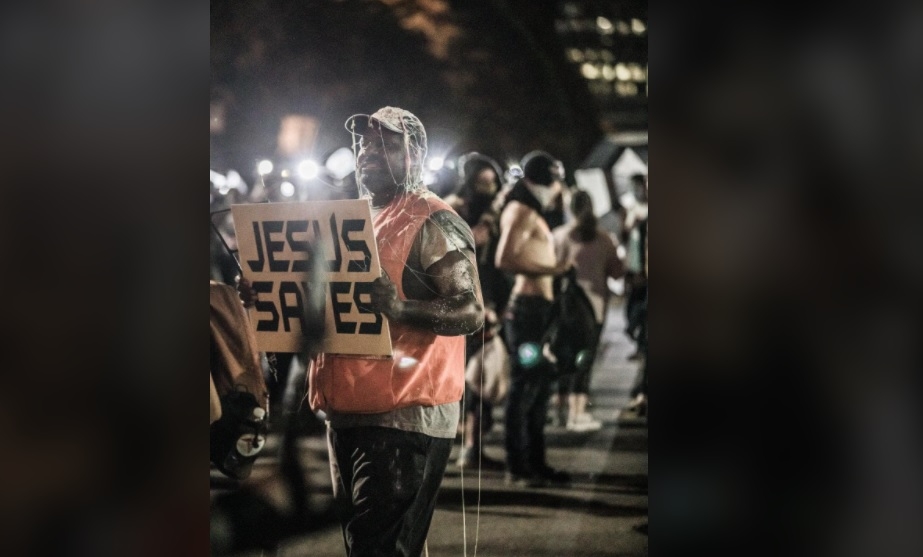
(462, 274)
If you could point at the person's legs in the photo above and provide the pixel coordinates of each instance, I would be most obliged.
(515, 439)
(577, 404)
(537, 395)
(525, 324)
(560, 400)
(385, 483)
(477, 423)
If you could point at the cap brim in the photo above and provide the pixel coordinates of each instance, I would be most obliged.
(359, 123)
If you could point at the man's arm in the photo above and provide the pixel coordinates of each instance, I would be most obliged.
(514, 220)
(457, 310)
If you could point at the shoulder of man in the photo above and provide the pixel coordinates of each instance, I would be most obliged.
(453, 227)
(517, 210)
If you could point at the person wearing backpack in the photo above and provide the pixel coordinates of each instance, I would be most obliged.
(595, 260)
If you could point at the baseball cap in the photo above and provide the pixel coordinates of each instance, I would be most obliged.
(392, 118)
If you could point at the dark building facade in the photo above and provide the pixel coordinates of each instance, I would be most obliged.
(606, 41)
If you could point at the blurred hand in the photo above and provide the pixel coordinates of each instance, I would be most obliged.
(481, 233)
(490, 317)
(384, 297)
(246, 292)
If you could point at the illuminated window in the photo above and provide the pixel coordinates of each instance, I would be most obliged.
(607, 55)
(637, 73)
(638, 27)
(622, 72)
(575, 55)
(622, 27)
(589, 71)
(600, 88)
(590, 55)
(604, 26)
(626, 89)
(608, 72)
(572, 9)
(296, 134)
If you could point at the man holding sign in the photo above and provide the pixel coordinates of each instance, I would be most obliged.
(392, 421)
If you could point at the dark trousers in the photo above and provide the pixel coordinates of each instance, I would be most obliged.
(636, 306)
(578, 382)
(525, 323)
(385, 483)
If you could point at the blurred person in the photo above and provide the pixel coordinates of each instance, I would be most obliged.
(237, 385)
(526, 248)
(391, 422)
(636, 305)
(635, 238)
(473, 201)
(595, 259)
(555, 214)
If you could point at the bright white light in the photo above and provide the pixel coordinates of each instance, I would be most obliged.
(223, 190)
(608, 72)
(638, 26)
(287, 189)
(429, 178)
(616, 286)
(341, 163)
(622, 72)
(406, 362)
(627, 200)
(589, 71)
(604, 25)
(637, 72)
(516, 171)
(435, 163)
(308, 169)
(264, 167)
(234, 180)
(286, 173)
(626, 89)
(218, 179)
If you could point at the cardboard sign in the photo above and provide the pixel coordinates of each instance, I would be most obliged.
(273, 240)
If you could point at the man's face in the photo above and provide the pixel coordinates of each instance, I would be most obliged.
(557, 174)
(380, 163)
(486, 182)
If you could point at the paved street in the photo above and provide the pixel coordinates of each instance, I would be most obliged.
(604, 511)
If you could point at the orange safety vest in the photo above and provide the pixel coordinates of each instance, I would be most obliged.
(426, 369)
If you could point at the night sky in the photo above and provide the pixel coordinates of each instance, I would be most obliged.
(491, 77)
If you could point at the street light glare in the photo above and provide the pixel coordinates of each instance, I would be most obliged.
(341, 163)
(264, 167)
(218, 179)
(435, 163)
(287, 189)
(308, 169)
